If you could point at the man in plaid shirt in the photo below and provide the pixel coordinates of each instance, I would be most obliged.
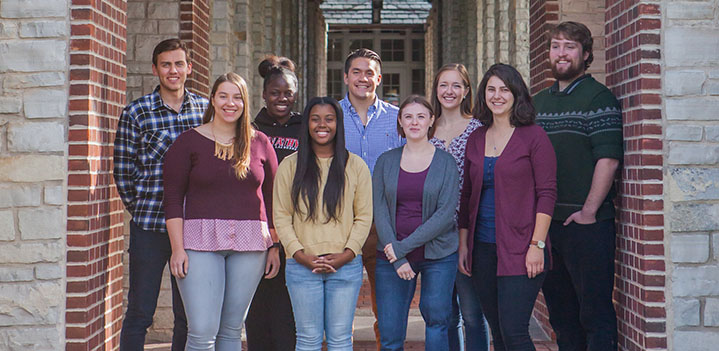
(146, 129)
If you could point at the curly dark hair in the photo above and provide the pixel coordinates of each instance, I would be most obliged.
(523, 112)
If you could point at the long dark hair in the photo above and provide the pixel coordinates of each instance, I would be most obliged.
(243, 131)
(523, 112)
(305, 185)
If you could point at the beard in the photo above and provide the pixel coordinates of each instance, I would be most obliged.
(574, 70)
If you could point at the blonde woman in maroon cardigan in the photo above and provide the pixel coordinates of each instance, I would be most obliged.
(506, 206)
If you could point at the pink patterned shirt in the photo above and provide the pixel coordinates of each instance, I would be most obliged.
(457, 146)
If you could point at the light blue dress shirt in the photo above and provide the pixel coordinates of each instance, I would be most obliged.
(378, 136)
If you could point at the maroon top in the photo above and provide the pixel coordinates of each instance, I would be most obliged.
(409, 209)
(208, 186)
(525, 184)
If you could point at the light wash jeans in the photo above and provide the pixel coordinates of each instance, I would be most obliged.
(324, 304)
(217, 292)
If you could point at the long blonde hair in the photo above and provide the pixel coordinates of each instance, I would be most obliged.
(244, 132)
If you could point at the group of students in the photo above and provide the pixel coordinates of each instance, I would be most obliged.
(459, 192)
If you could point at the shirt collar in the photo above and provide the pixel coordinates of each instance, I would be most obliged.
(376, 105)
(157, 103)
(554, 89)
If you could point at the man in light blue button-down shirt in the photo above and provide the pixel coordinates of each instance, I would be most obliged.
(370, 130)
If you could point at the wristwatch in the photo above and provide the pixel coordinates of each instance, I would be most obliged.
(538, 243)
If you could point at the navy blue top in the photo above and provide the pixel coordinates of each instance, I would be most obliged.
(485, 230)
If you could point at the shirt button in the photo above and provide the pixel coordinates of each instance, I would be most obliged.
(232, 236)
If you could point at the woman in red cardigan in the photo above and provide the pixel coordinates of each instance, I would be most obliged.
(506, 206)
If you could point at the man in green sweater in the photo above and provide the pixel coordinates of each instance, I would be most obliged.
(584, 122)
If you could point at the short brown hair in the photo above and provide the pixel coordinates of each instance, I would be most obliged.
(415, 99)
(366, 53)
(577, 32)
(169, 45)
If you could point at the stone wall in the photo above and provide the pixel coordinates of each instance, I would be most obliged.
(33, 157)
(691, 158)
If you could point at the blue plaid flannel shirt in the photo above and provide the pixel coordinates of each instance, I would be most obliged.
(146, 129)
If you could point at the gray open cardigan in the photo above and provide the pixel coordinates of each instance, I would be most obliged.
(438, 232)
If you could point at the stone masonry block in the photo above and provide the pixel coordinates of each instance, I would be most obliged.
(684, 82)
(31, 303)
(32, 338)
(695, 340)
(54, 195)
(8, 29)
(44, 29)
(163, 10)
(690, 248)
(694, 183)
(45, 103)
(682, 132)
(32, 252)
(46, 271)
(168, 27)
(693, 217)
(19, 195)
(695, 281)
(45, 79)
(10, 105)
(715, 246)
(712, 133)
(690, 10)
(714, 74)
(32, 168)
(144, 44)
(16, 274)
(686, 312)
(48, 55)
(136, 10)
(690, 46)
(711, 312)
(7, 223)
(693, 153)
(142, 26)
(712, 87)
(44, 223)
(31, 9)
(694, 108)
(36, 137)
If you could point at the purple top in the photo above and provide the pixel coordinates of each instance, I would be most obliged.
(409, 209)
(525, 184)
(220, 212)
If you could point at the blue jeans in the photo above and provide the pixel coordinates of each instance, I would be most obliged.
(394, 296)
(324, 304)
(217, 291)
(149, 253)
(467, 312)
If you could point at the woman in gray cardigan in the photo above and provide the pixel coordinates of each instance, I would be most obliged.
(414, 197)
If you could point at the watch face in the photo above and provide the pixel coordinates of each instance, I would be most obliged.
(540, 244)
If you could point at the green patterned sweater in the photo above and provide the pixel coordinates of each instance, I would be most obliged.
(584, 123)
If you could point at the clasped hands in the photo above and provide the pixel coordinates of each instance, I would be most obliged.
(405, 270)
(329, 263)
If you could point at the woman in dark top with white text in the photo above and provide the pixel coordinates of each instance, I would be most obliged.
(270, 324)
(415, 198)
(506, 206)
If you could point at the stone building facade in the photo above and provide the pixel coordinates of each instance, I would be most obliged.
(67, 68)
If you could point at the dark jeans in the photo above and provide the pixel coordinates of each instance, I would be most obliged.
(578, 289)
(507, 301)
(394, 296)
(149, 253)
(467, 313)
(270, 324)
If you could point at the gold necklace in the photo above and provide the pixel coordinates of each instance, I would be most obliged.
(222, 151)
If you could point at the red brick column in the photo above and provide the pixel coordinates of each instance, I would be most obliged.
(195, 31)
(543, 14)
(94, 211)
(633, 74)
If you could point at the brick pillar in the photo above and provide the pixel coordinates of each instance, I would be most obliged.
(633, 73)
(195, 31)
(94, 210)
(542, 15)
